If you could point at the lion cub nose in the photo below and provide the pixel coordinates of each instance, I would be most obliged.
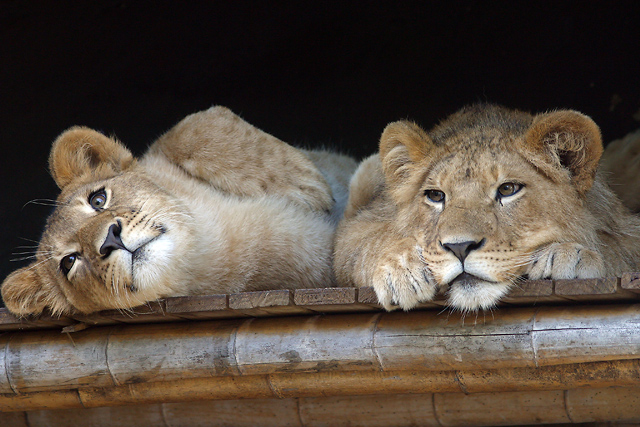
(462, 249)
(113, 240)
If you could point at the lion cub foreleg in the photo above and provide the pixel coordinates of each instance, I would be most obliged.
(621, 164)
(566, 261)
(370, 254)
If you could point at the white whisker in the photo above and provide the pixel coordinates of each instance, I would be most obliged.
(44, 202)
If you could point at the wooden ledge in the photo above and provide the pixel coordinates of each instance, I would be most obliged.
(330, 300)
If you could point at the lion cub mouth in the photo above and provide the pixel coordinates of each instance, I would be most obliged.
(470, 293)
(141, 254)
(467, 280)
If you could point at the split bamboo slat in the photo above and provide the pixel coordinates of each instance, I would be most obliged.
(561, 407)
(598, 374)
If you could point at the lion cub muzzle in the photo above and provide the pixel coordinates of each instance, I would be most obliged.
(135, 238)
(113, 241)
(462, 249)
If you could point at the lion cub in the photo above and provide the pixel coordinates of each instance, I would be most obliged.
(483, 199)
(621, 160)
(214, 206)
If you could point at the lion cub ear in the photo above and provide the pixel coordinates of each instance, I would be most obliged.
(402, 144)
(80, 150)
(571, 139)
(25, 294)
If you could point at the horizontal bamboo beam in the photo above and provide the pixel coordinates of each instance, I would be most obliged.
(596, 374)
(284, 302)
(111, 356)
(613, 404)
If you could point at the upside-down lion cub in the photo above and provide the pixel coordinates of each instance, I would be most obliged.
(214, 206)
(483, 199)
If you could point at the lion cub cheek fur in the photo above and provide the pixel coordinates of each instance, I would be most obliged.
(559, 221)
(215, 206)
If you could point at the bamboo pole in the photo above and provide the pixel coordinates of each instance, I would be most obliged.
(61, 399)
(614, 404)
(48, 360)
(105, 357)
(597, 405)
(509, 338)
(624, 373)
(5, 385)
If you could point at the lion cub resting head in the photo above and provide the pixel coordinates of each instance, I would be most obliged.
(215, 206)
(484, 199)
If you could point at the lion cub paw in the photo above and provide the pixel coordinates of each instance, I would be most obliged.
(567, 261)
(402, 278)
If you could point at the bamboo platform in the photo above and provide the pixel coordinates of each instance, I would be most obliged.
(556, 352)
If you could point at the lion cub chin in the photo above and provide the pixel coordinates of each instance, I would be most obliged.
(214, 206)
(484, 199)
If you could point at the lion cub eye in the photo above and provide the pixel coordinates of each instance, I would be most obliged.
(98, 199)
(509, 189)
(67, 262)
(436, 196)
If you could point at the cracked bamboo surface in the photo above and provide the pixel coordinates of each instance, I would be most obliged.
(321, 351)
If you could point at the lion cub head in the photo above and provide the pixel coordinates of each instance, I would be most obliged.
(488, 188)
(111, 238)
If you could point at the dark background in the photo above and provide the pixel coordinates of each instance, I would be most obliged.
(309, 73)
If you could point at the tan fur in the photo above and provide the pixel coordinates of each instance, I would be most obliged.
(564, 222)
(621, 162)
(215, 206)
